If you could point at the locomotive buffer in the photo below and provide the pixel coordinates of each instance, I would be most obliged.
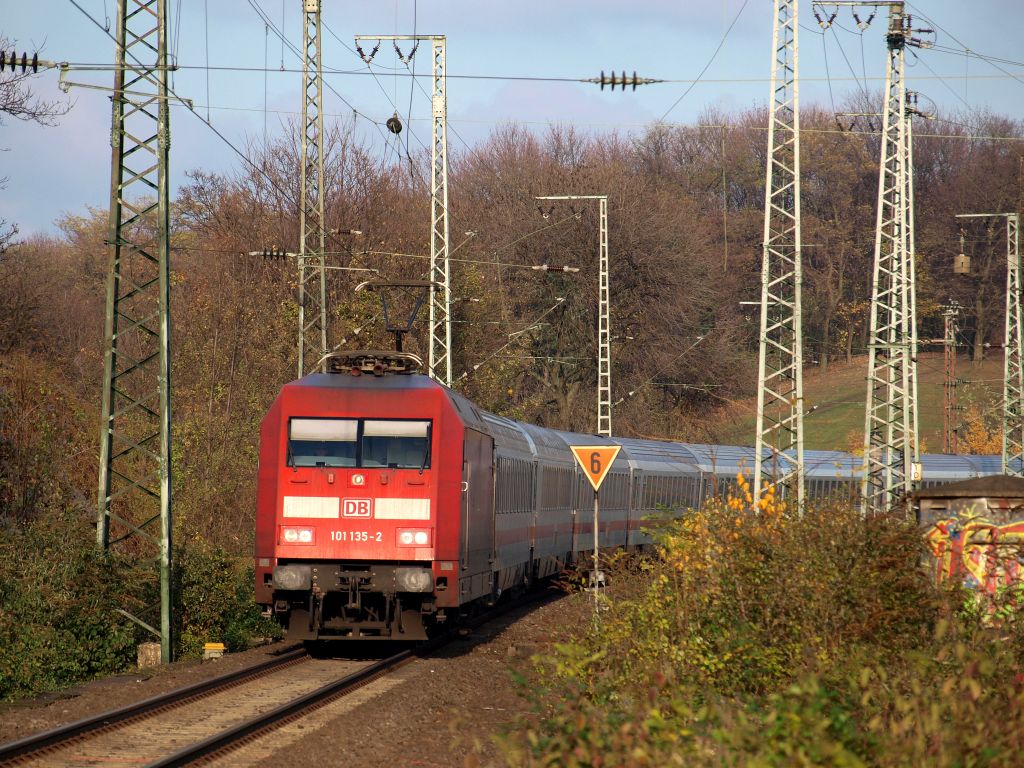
(595, 461)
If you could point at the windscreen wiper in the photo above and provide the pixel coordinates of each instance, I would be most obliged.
(426, 456)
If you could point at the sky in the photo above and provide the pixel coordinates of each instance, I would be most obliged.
(230, 65)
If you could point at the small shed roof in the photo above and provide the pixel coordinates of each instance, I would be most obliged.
(1001, 486)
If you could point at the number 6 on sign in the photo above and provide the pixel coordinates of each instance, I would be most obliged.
(595, 461)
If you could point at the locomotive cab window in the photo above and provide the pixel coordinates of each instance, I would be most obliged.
(396, 444)
(322, 442)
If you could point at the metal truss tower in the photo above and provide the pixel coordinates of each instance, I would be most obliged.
(134, 496)
(439, 362)
(911, 271)
(604, 337)
(312, 272)
(1013, 365)
(890, 436)
(780, 429)
(950, 409)
(1013, 354)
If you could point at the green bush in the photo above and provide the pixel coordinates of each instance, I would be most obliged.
(58, 595)
(59, 601)
(215, 600)
(776, 640)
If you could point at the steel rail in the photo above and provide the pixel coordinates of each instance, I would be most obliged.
(65, 734)
(292, 710)
(249, 730)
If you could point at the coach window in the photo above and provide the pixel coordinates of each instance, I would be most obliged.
(396, 444)
(322, 442)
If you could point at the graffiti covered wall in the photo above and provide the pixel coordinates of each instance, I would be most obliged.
(985, 555)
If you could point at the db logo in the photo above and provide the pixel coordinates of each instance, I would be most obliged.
(356, 507)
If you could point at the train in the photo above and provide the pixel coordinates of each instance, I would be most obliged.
(389, 505)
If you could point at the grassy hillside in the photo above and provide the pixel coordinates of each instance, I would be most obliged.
(837, 397)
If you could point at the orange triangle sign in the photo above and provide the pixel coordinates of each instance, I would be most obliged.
(596, 460)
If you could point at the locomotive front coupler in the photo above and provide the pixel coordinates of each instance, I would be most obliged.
(355, 595)
(316, 605)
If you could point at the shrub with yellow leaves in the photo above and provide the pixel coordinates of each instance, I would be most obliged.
(759, 637)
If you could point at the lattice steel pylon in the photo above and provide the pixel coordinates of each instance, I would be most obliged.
(604, 336)
(890, 440)
(780, 430)
(440, 360)
(134, 498)
(950, 408)
(1013, 353)
(911, 272)
(1013, 364)
(312, 272)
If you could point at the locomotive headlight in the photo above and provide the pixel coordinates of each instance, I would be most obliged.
(413, 537)
(291, 577)
(294, 535)
(358, 479)
(413, 580)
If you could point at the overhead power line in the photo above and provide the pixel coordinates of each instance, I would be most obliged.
(695, 126)
(755, 80)
(710, 61)
(178, 101)
(990, 60)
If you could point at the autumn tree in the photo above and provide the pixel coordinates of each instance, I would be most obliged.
(956, 173)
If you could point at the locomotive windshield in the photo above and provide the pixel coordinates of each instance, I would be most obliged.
(324, 442)
(399, 444)
(394, 443)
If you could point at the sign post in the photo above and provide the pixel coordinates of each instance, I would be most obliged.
(595, 461)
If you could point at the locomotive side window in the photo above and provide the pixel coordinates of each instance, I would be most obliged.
(396, 444)
(322, 442)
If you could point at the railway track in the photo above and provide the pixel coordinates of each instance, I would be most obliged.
(208, 720)
(148, 731)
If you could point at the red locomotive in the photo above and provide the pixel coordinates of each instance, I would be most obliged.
(387, 502)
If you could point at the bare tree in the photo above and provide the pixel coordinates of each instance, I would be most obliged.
(18, 101)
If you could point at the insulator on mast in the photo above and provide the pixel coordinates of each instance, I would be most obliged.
(12, 60)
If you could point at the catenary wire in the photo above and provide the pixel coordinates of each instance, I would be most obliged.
(968, 137)
(952, 37)
(383, 90)
(192, 110)
(709, 62)
(514, 337)
(334, 71)
(399, 254)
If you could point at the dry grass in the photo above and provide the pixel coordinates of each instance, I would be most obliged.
(837, 399)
